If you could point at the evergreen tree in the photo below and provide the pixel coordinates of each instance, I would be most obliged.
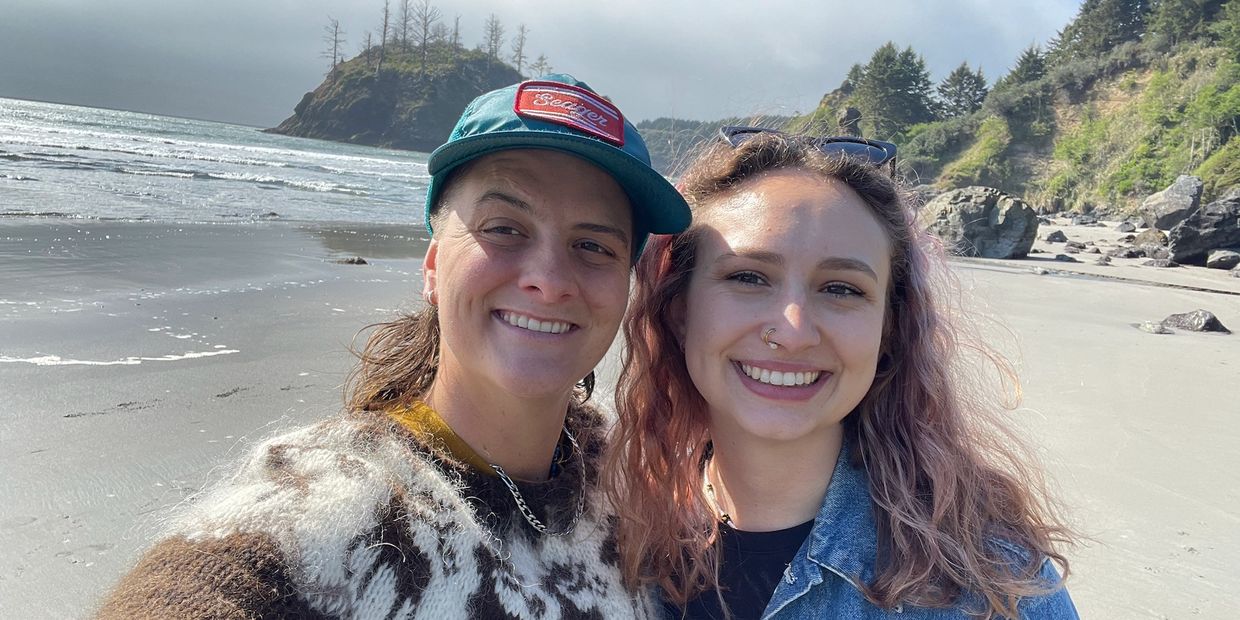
(1177, 20)
(894, 91)
(1227, 28)
(1030, 67)
(962, 91)
(1099, 26)
(540, 67)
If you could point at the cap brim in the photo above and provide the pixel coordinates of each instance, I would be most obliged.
(657, 207)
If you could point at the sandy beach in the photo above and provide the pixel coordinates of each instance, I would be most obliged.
(138, 361)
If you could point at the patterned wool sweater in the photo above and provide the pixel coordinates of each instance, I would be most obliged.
(359, 518)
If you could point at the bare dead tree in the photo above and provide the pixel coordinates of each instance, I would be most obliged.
(367, 43)
(540, 66)
(456, 36)
(494, 36)
(424, 18)
(334, 38)
(518, 47)
(440, 34)
(386, 32)
(404, 23)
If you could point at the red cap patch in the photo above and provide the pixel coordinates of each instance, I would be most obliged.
(571, 106)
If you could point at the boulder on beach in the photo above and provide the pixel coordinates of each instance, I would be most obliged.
(1064, 258)
(1196, 321)
(1162, 263)
(351, 260)
(1126, 227)
(1213, 226)
(1152, 236)
(1222, 259)
(981, 221)
(1056, 236)
(1172, 205)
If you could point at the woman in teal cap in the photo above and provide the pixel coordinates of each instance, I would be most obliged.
(798, 437)
(459, 483)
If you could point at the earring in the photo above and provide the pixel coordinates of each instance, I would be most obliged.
(429, 297)
(766, 337)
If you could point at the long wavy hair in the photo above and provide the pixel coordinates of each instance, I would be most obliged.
(947, 478)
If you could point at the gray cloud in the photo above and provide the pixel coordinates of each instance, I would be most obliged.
(249, 61)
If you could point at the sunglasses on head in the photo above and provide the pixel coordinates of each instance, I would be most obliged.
(875, 152)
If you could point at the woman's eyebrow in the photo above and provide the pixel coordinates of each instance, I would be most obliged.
(840, 263)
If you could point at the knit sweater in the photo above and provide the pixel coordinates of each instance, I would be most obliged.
(360, 518)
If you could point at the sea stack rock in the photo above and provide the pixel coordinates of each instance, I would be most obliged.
(1169, 207)
(1213, 226)
(983, 222)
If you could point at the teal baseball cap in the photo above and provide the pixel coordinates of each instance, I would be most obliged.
(559, 112)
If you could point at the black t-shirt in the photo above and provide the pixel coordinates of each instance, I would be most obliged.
(752, 565)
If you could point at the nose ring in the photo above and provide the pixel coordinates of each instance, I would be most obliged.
(766, 337)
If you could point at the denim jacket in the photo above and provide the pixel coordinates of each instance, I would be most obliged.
(822, 580)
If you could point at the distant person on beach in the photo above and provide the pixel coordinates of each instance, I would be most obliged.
(797, 437)
(460, 480)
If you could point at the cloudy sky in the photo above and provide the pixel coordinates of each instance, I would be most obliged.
(250, 61)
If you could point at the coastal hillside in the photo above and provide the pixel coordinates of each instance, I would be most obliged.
(1128, 96)
(395, 98)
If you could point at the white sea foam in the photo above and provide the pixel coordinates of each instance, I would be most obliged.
(56, 360)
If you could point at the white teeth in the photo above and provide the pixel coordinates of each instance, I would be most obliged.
(776, 377)
(525, 322)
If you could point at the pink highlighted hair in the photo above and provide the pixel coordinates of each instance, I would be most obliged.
(947, 478)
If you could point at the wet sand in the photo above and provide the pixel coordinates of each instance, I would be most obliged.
(139, 361)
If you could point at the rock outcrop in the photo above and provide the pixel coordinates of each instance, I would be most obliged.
(983, 222)
(1213, 226)
(400, 105)
(1169, 207)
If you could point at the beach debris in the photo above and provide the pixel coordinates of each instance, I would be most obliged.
(1152, 236)
(1162, 263)
(1153, 327)
(270, 215)
(1171, 206)
(351, 260)
(1126, 227)
(981, 222)
(1213, 226)
(1196, 321)
(1056, 236)
(1103, 260)
(1084, 220)
(1222, 259)
(1154, 251)
(1064, 258)
(1093, 250)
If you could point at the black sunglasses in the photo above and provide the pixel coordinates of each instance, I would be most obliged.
(875, 152)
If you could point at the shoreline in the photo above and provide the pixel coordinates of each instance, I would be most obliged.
(1136, 430)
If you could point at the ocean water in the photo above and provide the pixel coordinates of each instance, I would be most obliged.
(69, 161)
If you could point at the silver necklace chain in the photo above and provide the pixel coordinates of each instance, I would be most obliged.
(525, 508)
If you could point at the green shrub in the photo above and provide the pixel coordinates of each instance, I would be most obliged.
(983, 163)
